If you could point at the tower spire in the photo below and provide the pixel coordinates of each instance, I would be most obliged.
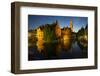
(71, 25)
(56, 22)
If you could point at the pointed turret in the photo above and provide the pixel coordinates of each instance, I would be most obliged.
(71, 25)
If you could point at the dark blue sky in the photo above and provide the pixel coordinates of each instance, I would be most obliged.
(37, 20)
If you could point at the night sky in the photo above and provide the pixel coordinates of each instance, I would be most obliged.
(36, 20)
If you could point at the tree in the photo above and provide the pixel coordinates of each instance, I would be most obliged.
(48, 33)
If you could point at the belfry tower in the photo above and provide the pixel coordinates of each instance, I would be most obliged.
(71, 25)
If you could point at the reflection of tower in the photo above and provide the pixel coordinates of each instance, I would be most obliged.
(71, 25)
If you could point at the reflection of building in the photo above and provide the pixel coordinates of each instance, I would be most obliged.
(40, 46)
(66, 44)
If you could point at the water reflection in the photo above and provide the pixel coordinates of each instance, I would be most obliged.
(40, 45)
(65, 49)
(66, 44)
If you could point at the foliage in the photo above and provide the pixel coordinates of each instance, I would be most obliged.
(48, 33)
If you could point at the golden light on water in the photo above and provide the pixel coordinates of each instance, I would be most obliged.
(66, 42)
(40, 45)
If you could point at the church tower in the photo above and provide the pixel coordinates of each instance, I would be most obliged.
(71, 25)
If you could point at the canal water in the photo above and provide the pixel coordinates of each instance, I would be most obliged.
(69, 49)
